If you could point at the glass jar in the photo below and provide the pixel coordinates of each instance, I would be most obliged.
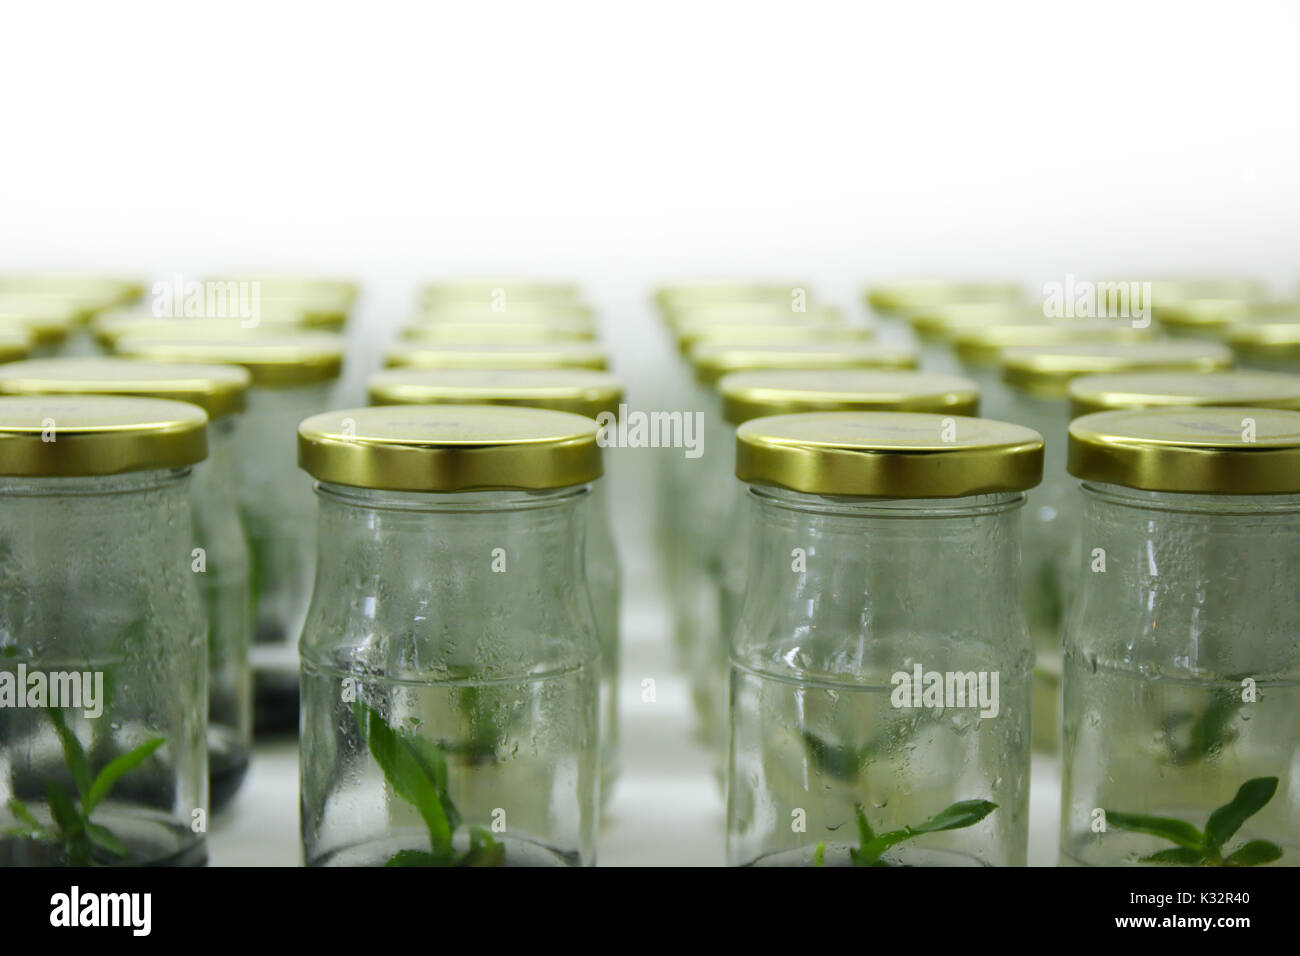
(450, 660)
(580, 392)
(221, 564)
(48, 321)
(1271, 343)
(538, 355)
(499, 293)
(880, 667)
(702, 487)
(15, 343)
(1037, 380)
(490, 332)
(749, 395)
(1181, 660)
(103, 677)
(900, 298)
(292, 377)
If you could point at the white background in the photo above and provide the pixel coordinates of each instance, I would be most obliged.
(621, 145)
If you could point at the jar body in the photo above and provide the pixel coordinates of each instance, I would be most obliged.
(847, 601)
(1182, 668)
(275, 501)
(459, 628)
(97, 595)
(1050, 519)
(224, 588)
(605, 577)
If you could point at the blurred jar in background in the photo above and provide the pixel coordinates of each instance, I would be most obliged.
(501, 295)
(580, 392)
(450, 662)
(883, 568)
(50, 322)
(757, 394)
(702, 486)
(221, 564)
(76, 298)
(292, 377)
(1038, 381)
(1181, 663)
(496, 332)
(1270, 340)
(898, 299)
(274, 319)
(109, 765)
(16, 343)
(576, 354)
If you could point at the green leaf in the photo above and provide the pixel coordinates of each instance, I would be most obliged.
(115, 770)
(964, 813)
(434, 764)
(842, 763)
(1176, 856)
(1227, 820)
(73, 754)
(406, 774)
(1175, 831)
(483, 850)
(104, 838)
(1254, 853)
(415, 858)
(865, 833)
(36, 828)
(819, 854)
(63, 810)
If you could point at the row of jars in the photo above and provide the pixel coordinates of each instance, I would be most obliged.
(807, 603)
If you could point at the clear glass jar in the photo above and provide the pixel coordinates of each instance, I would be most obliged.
(293, 376)
(1182, 668)
(103, 644)
(704, 487)
(749, 395)
(884, 549)
(221, 562)
(594, 395)
(1038, 379)
(450, 660)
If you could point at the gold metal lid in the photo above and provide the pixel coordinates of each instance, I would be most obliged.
(273, 361)
(276, 318)
(1220, 451)
(104, 291)
(681, 295)
(548, 355)
(1047, 372)
(711, 361)
(220, 390)
(1271, 340)
(450, 448)
(942, 321)
(500, 291)
(1168, 291)
(765, 333)
(1201, 315)
(689, 319)
(510, 310)
(15, 342)
(48, 319)
(321, 291)
(984, 345)
(498, 333)
(579, 391)
(1103, 393)
(62, 436)
(888, 454)
(906, 296)
(747, 395)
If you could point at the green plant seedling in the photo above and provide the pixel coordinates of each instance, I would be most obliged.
(871, 846)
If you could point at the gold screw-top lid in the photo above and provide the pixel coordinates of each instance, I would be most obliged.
(63, 436)
(318, 291)
(219, 390)
(48, 319)
(901, 298)
(888, 454)
(498, 333)
(771, 334)
(1207, 316)
(1168, 291)
(942, 321)
(747, 395)
(277, 318)
(579, 391)
(548, 355)
(97, 292)
(512, 311)
(1047, 372)
(15, 342)
(501, 291)
(1103, 393)
(273, 361)
(450, 448)
(711, 361)
(677, 296)
(690, 319)
(984, 345)
(1219, 451)
(1272, 333)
